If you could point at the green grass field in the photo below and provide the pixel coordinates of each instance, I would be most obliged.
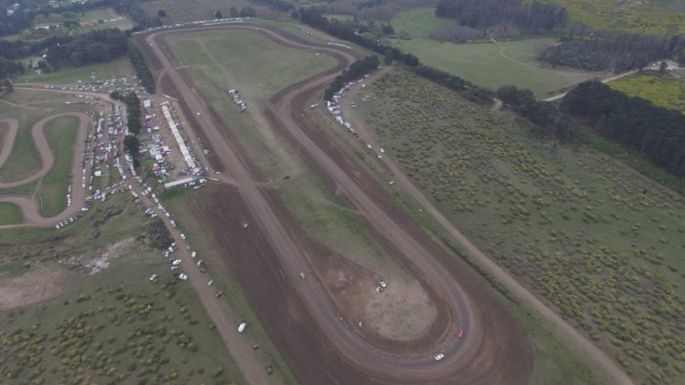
(420, 22)
(598, 241)
(89, 21)
(219, 61)
(491, 65)
(640, 17)
(9, 214)
(111, 326)
(304, 195)
(112, 69)
(61, 134)
(666, 91)
(220, 56)
(330, 222)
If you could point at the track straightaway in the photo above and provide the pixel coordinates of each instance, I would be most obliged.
(495, 351)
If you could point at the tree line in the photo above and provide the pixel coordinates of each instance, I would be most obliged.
(656, 132)
(533, 17)
(545, 116)
(142, 70)
(93, 47)
(133, 9)
(356, 71)
(348, 30)
(133, 113)
(133, 122)
(10, 68)
(596, 50)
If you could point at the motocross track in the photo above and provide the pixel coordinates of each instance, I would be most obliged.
(319, 344)
(28, 205)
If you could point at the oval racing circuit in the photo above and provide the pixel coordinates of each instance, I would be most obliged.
(494, 349)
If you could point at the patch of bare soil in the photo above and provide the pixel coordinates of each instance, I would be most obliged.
(402, 312)
(32, 287)
(100, 262)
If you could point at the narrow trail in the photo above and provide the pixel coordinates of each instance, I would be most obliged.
(564, 328)
(605, 80)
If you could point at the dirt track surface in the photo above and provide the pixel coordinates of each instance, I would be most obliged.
(599, 357)
(29, 207)
(318, 343)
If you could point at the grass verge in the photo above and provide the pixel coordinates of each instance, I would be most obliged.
(102, 71)
(10, 214)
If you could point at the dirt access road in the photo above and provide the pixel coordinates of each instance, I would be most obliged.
(323, 348)
(608, 365)
(30, 209)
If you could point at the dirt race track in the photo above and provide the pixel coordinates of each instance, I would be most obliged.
(30, 209)
(318, 342)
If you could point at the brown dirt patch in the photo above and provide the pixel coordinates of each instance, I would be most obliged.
(402, 312)
(32, 287)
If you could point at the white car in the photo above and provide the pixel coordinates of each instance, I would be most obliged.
(439, 357)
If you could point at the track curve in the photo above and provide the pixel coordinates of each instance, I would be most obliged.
(495, 350)
(8, 139)
(30, 209)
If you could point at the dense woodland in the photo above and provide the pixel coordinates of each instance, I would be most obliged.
(608, 50)
(142, 70)
(131, 8)
(10, 68)
(348, 30)
(656, 132)
(544, 115)
(94, 47)
(133, 112)
(533, 17)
